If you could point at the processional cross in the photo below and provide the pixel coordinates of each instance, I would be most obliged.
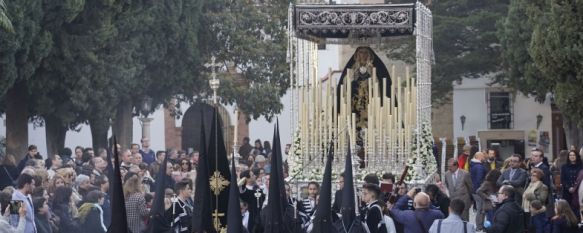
(217, 222)
(214, 82)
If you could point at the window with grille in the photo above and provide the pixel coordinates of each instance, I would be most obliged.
(500, 110)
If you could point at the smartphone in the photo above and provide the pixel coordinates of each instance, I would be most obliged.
(15, 206)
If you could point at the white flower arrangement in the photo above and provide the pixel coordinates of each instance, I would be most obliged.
(294, 159)
(422, 160)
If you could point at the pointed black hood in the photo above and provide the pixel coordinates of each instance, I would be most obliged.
(276, 196)
(348, 202)
(202, 212)
(323, 218)
(218, 162)
(234, 223)
(158, 221)
(119, 222)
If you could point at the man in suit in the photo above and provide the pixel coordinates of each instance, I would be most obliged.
(459, 184)
(515, 177)
(537, 160)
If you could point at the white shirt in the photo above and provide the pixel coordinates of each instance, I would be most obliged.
(246, 219)
(451, 224)
(455, 177)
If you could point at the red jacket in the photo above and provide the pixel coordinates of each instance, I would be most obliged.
(462, 161)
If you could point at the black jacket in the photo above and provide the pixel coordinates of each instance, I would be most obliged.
(22, 162)
(547, 177)
(509, 218)
(67, 224)
(8, 175)
(92, 223)
(42, 224)
(442, 203)
(560, 225)
(373, 216)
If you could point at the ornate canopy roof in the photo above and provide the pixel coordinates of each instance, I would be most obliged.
(345, 23)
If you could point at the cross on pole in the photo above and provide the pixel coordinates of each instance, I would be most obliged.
(216, 221)
(214, 82)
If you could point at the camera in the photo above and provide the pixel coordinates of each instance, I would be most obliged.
(15, 206)
(417, 190)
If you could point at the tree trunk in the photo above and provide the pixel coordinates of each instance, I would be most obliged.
(123, 124)
(99, 128)
(573, 133)
(16, 122)
(55, 133)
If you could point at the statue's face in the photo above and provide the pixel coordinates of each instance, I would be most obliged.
(363, 55)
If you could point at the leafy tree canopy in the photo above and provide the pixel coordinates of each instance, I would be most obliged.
(464, 42)
(250, 37)
(543, 51)
(5, 22)
(22, 51)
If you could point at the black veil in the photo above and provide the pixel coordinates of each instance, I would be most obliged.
(381, 72)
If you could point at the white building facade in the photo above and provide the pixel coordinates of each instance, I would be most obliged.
(497, 117)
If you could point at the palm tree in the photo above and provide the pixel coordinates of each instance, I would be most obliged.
(4, 20)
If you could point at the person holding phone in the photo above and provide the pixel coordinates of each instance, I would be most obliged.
(418, 220)
(25, 185)
(8, 211)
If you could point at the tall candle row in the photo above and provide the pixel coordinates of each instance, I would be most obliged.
(325, 117)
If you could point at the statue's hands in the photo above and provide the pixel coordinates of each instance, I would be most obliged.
(369, 64)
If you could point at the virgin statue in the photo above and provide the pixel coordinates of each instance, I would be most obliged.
(361, 65)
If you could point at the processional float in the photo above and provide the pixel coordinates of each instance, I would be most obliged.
(385, 117)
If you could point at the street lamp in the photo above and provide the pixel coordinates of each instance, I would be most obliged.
(539, 119)
(146, 108)
(463, 120)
